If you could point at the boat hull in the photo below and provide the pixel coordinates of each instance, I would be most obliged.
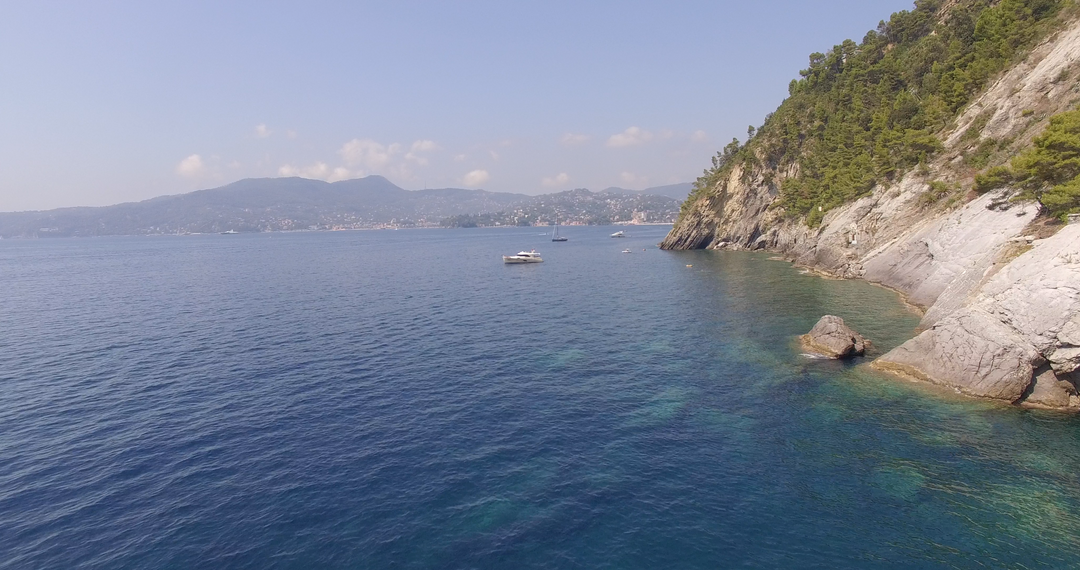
(511, 259)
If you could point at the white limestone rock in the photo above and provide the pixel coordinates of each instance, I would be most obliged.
(1026, 316)
(832, 338)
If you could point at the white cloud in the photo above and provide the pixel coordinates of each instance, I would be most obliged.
(262, 131)
(699, 137)
(573, 139)
(418, 147)
(362, 157)
(459, 158)
(475, 178)
(368, 153)
(559, 180)
(339, 173)
(494, 155)
(631, 179)
(630, 137)
(400, 172)
(318, 171)
(424, 146)
(191, 167)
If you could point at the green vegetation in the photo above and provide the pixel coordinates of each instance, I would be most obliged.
(981, 157)
(864, 113)
(936, 192)
(1048, 172)
(974, 130)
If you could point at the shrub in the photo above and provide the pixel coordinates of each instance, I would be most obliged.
(1049, 172)
(997, 177)
(977, 125)
(981, 157)
(936, 191)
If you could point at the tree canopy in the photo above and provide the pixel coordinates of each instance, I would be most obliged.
(862, 114)
(1048, 172)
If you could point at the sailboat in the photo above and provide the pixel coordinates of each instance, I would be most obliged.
(555, 233)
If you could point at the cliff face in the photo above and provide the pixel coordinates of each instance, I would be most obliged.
(1016, 338)
(1002, 306)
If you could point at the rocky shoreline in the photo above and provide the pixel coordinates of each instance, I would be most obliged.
(1013, 334)
(999, 285)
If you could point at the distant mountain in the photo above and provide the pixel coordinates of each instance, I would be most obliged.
(263, 204)
(677, 191)
(282, 204)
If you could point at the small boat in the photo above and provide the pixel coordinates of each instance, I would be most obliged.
(619, 234)
(523, 257)
(627, 251)
(229, 233)
(555, 233)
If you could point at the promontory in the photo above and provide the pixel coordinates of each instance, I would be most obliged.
(940, 157)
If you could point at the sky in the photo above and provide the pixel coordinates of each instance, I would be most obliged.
(111, 101)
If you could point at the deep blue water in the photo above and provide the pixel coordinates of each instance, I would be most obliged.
(401, 399)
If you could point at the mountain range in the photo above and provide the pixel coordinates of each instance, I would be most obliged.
(283, 204)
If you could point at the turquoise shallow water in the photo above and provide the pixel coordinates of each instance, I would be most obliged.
(404, 400)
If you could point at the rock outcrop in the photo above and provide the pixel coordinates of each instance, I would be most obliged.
(1017, 339)
(832, 338)
(1002, 308)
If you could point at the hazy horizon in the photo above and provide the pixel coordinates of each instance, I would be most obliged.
(346, 180)
(130, 101)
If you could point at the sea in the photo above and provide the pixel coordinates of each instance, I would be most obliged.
(403, 399)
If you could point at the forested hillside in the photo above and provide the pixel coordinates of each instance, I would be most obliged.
(1048, 172)
(940, 157)
(863, 114)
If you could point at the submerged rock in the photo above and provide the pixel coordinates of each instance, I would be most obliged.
(831, 337)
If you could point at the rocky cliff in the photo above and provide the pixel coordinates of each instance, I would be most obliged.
(999, 284)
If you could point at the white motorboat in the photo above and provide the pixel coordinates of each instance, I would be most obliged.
(619, 234)
(523, 257)
(627, 251)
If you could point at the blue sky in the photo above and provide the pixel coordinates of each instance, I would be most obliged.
(106, 102)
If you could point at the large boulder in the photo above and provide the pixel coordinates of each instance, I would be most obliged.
(832, 338)
(972, 351)
(1018, 340)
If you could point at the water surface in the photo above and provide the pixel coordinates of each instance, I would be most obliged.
(401, 399)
